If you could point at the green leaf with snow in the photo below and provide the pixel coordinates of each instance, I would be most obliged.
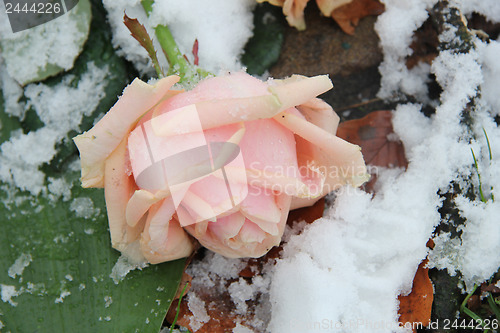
(7, 123)
(48, 49)
(264, 48)
(58, 267)
(54, 245)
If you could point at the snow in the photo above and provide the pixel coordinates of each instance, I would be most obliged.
(222, 28)
(64, 294)
(19, 265)
(241, 329)
(395, 29)
(84, 207)
(197, 308)
(61, 109)
(347, 268)
(125, 264)
(57, 43)
(107, 301)
(7, 292)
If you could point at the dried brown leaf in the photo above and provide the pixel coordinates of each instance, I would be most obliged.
(348, 16)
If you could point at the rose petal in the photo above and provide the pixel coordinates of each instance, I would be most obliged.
(342, 162)
(140, 202)
(298, 89)
(321, 114)
(260, 207)
(97, 144)
(118, 189)
(163, 238)
(226, 228)
(251, 233)
(284, 94)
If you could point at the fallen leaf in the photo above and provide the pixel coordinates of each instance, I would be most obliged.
(416, 307)
(379, 144)
(348, 16)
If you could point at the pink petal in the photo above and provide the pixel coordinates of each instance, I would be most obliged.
(294, 12)
(340, 161)
(97, 144)
(239, 97)
(251, 233)
(298, 89)
(321, 114)
(118, 190)
(140, 202)
(163, 238)
(226, 228)
(260, 207)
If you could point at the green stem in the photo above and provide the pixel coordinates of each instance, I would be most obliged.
(178, 309)
(493, 306)
(178, 64)
(481, 195)
(469, 312)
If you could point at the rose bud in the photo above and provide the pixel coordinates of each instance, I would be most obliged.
(223, 163)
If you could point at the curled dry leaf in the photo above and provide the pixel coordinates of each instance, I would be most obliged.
(379, 144)
(348, 16)
(416, 307)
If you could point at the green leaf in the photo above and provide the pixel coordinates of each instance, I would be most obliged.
(264, 48)
(57, 262)
(55, 252)
(35, 54)
(138, 31)
(7, 123)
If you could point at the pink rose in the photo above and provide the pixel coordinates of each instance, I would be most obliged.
(223, 162)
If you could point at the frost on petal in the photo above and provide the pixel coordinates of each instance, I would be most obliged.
(163, 238)
(118, 188)
(298, 89)
(97, 144)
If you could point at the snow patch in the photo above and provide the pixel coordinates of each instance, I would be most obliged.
(19, 265)
(84, 208)
(7, 292)
(124, 265)
(222, 28)
(61, 109)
